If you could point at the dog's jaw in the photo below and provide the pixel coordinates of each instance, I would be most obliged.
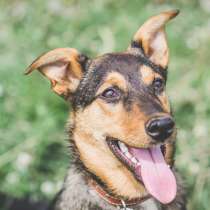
(149, 167)
(102, 163)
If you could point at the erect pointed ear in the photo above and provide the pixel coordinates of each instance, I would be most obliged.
(151, 38)
(64, 67)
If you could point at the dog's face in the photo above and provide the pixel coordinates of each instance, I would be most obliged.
(126, 101)
(119, 106)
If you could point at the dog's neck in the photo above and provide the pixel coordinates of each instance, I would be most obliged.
(113, 200)
(77, 195)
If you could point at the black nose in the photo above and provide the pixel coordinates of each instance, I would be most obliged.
(160, 128)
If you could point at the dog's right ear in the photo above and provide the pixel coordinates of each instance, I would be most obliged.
(64, 67)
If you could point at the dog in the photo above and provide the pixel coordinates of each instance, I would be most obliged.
(121, 129)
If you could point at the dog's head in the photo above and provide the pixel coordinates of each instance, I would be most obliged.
(123, 126)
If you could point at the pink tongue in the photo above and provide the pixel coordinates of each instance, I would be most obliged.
(156, 175)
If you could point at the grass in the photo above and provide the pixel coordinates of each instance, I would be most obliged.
(33, 154)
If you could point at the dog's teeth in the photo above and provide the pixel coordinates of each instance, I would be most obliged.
(138, 164)
(134, 160)
(123, 147)
(127, 154)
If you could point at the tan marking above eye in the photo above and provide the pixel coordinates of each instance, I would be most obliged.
(113, 79)
(148, 75)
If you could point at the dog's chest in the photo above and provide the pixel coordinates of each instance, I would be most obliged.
(150, 205)
(146, 205)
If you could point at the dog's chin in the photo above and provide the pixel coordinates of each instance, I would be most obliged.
(137, 159)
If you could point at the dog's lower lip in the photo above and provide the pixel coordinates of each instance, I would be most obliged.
(121, 151)
(116, 147)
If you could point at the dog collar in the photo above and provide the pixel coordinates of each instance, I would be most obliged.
(122, 204)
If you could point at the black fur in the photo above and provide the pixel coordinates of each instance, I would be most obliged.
(129, 66)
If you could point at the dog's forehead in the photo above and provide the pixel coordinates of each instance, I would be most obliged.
(124, 66)
(123, 63)
(99, 69)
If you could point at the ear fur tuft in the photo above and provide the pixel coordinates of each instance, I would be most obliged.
(64, 67)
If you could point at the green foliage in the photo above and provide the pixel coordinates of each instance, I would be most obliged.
(33, 154)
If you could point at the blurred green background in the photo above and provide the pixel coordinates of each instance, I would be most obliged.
(33, 152)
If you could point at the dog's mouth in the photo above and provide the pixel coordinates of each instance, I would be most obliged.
(149, 168)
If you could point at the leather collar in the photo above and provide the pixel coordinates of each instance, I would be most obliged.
(114, 200)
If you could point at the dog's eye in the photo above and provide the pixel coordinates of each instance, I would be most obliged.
(158, 85)
(111, 94)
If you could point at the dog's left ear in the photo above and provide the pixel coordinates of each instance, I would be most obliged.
(64, 67)
(151, 38)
